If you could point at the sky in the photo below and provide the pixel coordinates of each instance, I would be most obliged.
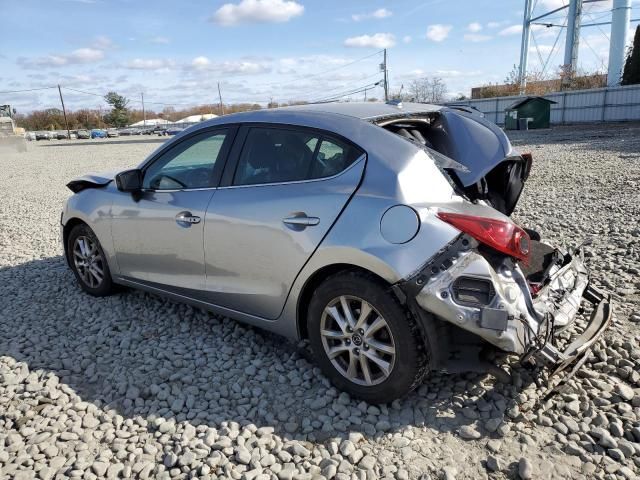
(176, 51)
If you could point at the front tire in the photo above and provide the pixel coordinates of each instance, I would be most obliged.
(364, 340)
(88, 262)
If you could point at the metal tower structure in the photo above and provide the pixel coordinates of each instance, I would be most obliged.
(620, 18)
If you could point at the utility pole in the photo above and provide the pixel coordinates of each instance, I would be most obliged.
(144, 114)
(220, 97)
(572, 42)
(64, 112)
(386, 77)
(524, 46)
(619, 23)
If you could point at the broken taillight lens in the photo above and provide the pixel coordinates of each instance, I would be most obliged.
(505, 237)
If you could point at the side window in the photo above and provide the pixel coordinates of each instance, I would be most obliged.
(189, 164)
(274, 155)
(333, 157)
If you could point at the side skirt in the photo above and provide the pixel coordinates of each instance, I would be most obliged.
(163, 291)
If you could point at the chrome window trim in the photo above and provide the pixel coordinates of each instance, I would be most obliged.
(173, 190)
(311, 180)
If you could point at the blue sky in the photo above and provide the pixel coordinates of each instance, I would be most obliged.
(175, 51)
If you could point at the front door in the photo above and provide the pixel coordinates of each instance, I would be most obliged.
(290, 185)
(158, 233)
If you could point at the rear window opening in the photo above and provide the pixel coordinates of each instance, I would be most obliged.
(475, 155)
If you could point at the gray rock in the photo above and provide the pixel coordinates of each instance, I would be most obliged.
(468, 432)
(170, 459)
(525, 469)
(493, 464)
(243, 456)
(625, 391)
(368, 462)
(616, 454)
(99, 468)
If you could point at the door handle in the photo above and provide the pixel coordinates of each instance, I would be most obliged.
(185, 219)
(301, 221)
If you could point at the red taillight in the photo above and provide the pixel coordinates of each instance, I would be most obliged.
(506, 237)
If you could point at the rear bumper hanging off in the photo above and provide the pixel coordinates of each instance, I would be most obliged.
(491, 298)
(600, 319)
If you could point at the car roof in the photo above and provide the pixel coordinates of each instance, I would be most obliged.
(353, 111)
(366, 110)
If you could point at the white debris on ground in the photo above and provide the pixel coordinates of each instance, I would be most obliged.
(135, 386)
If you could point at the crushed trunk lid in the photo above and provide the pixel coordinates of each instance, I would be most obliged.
(491, 169)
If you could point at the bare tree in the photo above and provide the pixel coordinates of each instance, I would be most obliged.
(427, 90)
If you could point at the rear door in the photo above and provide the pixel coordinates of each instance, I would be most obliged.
(285, 187)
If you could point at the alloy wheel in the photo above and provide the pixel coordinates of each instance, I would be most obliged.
(88, 261)
(357, 340)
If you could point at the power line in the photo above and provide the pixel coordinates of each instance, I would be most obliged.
(346, 93)
(324, 71)
(313, 94)
(132, 100)
(86, 93)
(27, 90)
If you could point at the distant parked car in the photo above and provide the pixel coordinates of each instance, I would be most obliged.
(84, 134)
(174, 130)
(136, 131)
(160, 130)
(30, 136)
(112, 132)
(97, 133)
(43, 136)
(61, 135)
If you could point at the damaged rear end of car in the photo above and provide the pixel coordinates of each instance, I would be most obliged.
(496, 287)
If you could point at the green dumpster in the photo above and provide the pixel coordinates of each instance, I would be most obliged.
(535, 111)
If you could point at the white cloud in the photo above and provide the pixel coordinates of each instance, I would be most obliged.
(476, 37)
(79, 56)
(474, 27)
(85, 55)
(406, 39)
(379, 13)
(497, 24)
(438, 32)
(200, 62)
(512, 30)
(102, 42)
(229, 68)
(257, 11)
(149, 64)
(161, 40)
(378, 40)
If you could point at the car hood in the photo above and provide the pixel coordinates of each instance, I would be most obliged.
(91, 180)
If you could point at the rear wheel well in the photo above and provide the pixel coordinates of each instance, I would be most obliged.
(66, 230)
(312, 284)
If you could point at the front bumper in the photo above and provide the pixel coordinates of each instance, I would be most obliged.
(508, 315)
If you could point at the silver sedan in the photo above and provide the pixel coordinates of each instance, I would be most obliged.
(378, 232)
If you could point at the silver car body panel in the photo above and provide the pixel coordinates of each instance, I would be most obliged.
(252, 254)
(243, 261)
(150, 242)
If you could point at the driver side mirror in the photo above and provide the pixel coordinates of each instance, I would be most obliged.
(129, 180)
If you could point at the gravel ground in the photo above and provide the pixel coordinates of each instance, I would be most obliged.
(137, 386)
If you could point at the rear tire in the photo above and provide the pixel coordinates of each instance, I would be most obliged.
(88, 262)
(364, 341)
